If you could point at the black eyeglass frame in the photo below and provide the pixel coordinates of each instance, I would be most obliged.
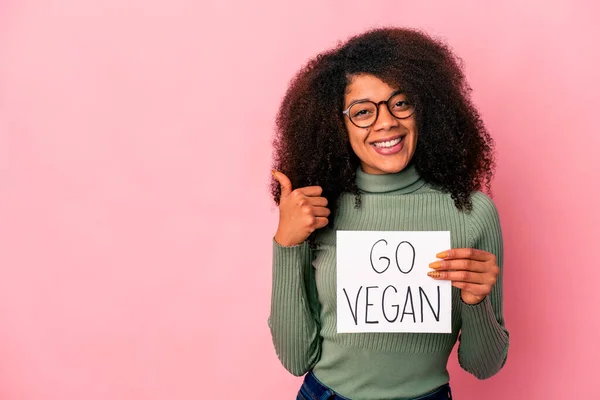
(346, 112)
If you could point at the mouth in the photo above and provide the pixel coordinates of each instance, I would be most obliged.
(387, 143)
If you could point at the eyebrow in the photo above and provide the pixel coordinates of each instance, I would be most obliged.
(395, 92)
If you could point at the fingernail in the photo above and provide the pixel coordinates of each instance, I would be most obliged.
(434, 274)
(443, 254)
(273, 172)
(435, 265)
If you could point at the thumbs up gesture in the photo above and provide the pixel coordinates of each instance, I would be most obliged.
(301, 212)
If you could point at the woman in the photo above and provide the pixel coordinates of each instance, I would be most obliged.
(380, 134)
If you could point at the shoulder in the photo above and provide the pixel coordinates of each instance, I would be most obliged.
(483, 206)
(483, 210)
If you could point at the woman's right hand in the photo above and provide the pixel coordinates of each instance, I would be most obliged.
(301, 212)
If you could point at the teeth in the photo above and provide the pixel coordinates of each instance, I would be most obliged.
(390, 143)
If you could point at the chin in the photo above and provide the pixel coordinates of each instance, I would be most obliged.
(395, 170)
(385, 168)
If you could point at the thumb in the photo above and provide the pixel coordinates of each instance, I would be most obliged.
(284, 182)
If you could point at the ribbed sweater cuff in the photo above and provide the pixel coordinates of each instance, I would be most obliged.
(292, 325)
(287, 262)
(479, 315)
(483, 339)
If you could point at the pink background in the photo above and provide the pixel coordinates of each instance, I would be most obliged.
(136, 223)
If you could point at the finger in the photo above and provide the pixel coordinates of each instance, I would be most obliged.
(311, 191)
(317, 201)
(284, 183)
(321, 222)
(477, 290)
(472, 254)
(321, 211)
(459, 265)
(462, 276)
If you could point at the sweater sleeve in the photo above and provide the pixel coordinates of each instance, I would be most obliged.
(484, 340)
(294, 319)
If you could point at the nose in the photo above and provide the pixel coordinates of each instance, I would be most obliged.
(385, 120)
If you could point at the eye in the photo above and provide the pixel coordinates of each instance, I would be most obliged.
(400, 103)
(362, 111)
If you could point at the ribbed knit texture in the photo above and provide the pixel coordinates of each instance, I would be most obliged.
(385, 365)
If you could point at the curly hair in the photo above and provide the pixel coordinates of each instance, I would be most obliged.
(454, 153)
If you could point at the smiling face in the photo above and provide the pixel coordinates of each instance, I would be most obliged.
(387, 146)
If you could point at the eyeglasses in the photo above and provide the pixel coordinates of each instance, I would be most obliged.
(364, 113)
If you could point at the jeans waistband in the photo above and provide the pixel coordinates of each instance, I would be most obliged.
(313, 389)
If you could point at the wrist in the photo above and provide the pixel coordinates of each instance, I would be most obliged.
(472, 301)
(284, 242)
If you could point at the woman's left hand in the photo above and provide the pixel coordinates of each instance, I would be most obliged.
(473, 271)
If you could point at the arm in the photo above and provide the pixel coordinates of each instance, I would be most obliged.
(484, 340)
(294, 319)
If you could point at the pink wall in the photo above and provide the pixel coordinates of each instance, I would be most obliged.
(135, 219)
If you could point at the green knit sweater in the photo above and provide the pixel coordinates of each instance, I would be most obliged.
(386, 365)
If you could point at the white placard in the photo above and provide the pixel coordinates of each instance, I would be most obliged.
(382, 282)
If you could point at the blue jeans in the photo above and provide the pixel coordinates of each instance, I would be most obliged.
(313, 389)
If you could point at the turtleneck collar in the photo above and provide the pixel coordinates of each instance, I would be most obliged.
(403, 182)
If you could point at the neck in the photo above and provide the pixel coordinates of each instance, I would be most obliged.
(403, 182)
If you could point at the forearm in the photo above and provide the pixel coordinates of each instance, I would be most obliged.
(294, 326)
(484, 341)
